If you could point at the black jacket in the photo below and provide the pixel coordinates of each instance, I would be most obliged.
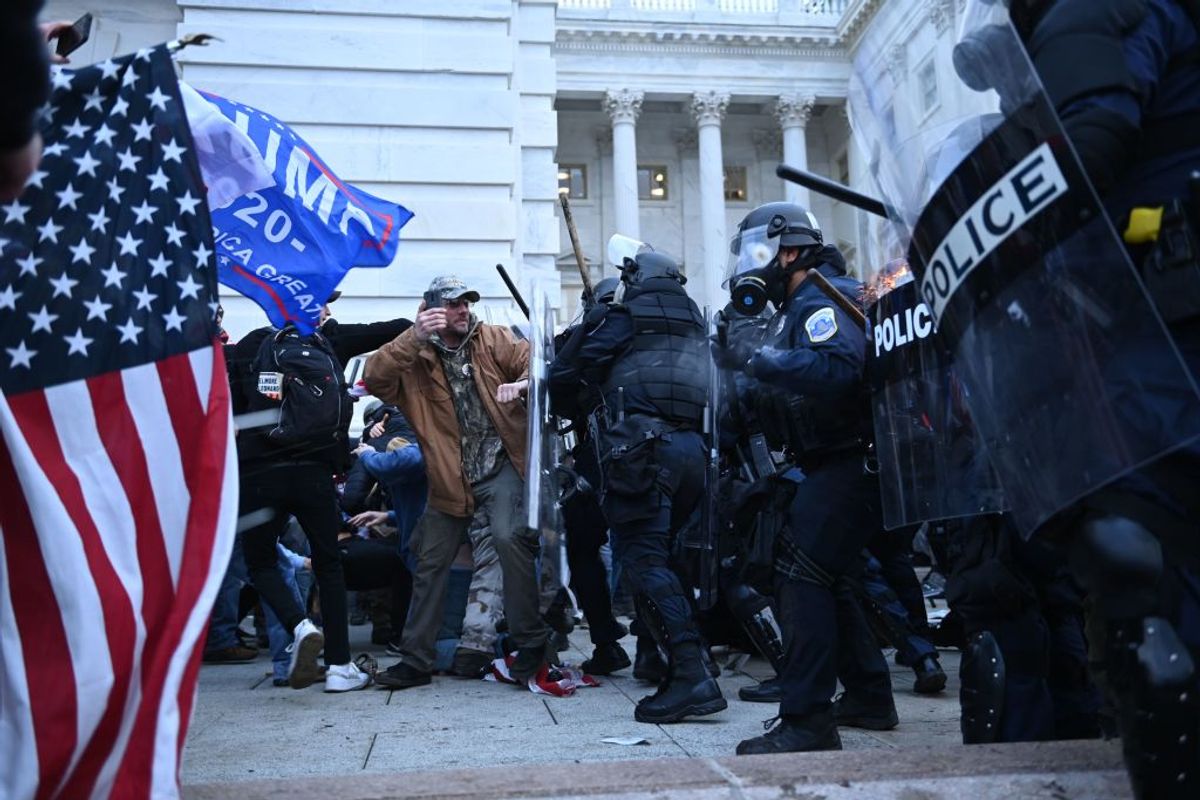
(25, 67)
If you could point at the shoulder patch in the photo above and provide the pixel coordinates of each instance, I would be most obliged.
(821, 325)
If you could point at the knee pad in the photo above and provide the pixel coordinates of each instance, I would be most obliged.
(982, 674)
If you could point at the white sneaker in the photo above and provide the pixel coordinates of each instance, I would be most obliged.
(305, 647)
(346, 678)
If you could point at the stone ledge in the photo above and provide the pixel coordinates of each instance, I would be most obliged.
(1037, 769)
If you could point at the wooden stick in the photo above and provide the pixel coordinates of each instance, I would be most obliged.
(843, 302)
(583, 273)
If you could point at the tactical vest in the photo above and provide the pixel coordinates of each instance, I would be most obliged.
(665, 371)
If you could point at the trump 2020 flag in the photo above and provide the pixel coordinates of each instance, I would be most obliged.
(288, 245)
(118, 490)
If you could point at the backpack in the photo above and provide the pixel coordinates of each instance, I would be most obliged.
(315, 405)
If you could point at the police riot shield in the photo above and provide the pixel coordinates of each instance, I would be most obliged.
(543, 442)
(1069, 374)
(701, 539)
(932, 463)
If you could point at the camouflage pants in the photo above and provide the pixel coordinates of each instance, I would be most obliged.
(485, 598)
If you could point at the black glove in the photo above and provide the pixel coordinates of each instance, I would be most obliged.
(732, 357)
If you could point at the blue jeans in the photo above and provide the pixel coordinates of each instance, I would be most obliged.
(279, 636)
(222, 625)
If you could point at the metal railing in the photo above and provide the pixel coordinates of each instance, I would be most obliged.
(728, 7)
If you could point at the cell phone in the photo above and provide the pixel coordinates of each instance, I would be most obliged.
(73, 37)
(433, 300)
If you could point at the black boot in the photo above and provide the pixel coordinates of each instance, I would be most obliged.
(795, 734)
(768, 691)
(851, 712)
(606, 659)
(648, 663)
(528, 662)
(930, 678)
(710, 663)
(689, 691)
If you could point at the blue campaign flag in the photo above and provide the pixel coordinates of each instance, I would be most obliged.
(288, 246)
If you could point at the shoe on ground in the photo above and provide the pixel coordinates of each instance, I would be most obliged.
(606, 659)
(768, 691)
(648, 663)
(528, 663)
(236, 654)
(850, 712)
(470, 663)
(306, 645)
(688, 692)
(279, 682)
(346, 678)
(393, 648)
(930, 677)
(402, 676)
(795, 734)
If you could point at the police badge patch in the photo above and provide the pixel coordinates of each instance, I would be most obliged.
(821, 325)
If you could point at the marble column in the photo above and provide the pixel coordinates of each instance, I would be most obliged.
(708, 110)
(793, 113)
(623, 107)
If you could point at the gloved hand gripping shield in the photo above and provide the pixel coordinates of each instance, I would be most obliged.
(1068, 372)
(543, 444)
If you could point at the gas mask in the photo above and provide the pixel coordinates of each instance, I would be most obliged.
(752, 289)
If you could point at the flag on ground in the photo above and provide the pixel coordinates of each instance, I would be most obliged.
(117, 471)
(288, 246)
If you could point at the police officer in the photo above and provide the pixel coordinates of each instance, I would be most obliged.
(810, 393)
(1024, 670)
(1129, 99)
(647, 356)
(583, 518)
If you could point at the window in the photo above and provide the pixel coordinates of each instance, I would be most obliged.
(735, 184)
(652, 182)
(927, 86)
(572, 181)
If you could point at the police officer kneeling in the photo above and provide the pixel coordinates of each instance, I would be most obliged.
(810, 398)
(648, 356)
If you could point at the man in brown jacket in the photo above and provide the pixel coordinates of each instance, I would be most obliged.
(459, 382)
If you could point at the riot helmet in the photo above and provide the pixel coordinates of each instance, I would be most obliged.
(640, 266)
(603, 291)
(754, 276)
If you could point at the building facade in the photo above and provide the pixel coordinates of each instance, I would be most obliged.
(662, 119)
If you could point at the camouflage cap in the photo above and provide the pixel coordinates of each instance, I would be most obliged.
(451, 287)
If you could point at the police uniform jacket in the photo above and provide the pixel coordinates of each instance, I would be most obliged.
(816, 354)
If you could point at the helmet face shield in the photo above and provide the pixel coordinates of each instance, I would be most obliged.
(622, 248)
(751, 249)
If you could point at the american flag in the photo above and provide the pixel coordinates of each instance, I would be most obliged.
(117, 472)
